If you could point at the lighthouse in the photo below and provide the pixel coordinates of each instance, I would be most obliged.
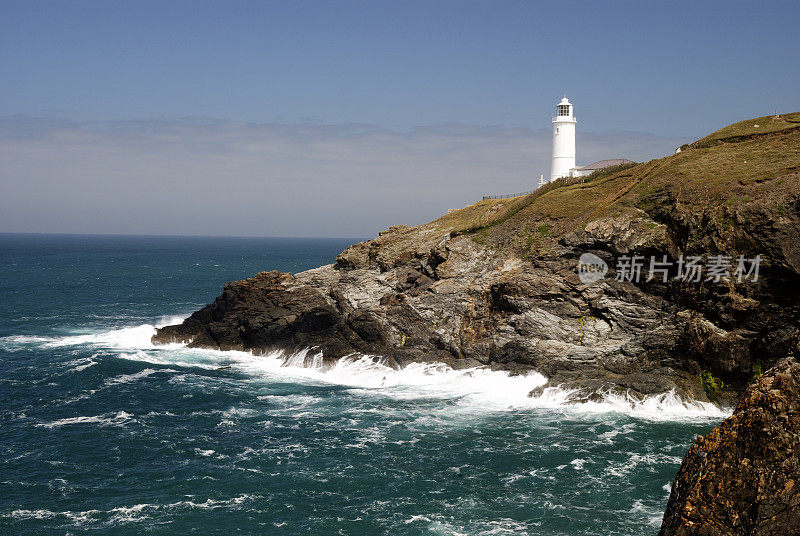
(563, 140)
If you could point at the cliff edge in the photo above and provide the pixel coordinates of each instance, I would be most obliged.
(496, 283)
(743, 478)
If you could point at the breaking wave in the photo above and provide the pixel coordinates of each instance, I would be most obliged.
(122, 515)
(115, 419)
(477, 387)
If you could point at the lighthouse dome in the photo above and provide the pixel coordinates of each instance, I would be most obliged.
(564, 109)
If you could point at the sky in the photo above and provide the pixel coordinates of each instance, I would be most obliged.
(338, 118)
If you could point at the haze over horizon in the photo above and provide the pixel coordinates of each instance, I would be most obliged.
(340, 119)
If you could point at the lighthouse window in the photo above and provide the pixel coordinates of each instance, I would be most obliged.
(563, 109)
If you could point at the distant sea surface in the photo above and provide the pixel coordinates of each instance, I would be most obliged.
(103, 433)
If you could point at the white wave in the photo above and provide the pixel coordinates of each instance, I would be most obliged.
(475, 387)
(180, 357)
(578, 463)
(501, 526)
(137, 511)
(129, 378)
(414, 519)
(653, 514)
(170, 320)
(13, 343)
(76, 518)
(662, 407)
(479, 388)
(369, 373)
(128, 514)
(635, 460)
(108, 419)
(365, 374)
(82, 364)
(130, 337)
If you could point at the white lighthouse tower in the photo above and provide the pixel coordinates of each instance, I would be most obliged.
(563, 140)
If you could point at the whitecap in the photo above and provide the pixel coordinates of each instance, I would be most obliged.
(76, 518)
(129, 378)
(13, 343)
(578, 463)
(661, 407)
(117, 419)
(635, 459)
(127, 514)
(82, 364)
(128, 337)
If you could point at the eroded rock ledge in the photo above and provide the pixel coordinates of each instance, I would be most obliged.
(743, 478)
(422, 294)
(495, 283)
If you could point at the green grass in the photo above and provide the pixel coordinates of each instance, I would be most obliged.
(490, 212)
(751, 127)
(609, 171)
(712, 385)
(716, 176)
(756, 371)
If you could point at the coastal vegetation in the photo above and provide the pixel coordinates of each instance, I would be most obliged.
(729, 169)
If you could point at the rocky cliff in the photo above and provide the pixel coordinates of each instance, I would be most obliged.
(496, 283)
(743, 478)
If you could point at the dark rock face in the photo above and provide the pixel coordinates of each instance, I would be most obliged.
(263, 312)
(427, 294)
(277, 311)
(743, 478)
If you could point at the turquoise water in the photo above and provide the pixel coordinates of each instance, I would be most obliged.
(101, 433)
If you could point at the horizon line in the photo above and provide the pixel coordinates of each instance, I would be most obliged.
(150, 235)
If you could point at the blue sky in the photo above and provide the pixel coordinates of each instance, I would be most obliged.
(670, 71)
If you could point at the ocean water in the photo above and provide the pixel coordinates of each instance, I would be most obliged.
(103, 433)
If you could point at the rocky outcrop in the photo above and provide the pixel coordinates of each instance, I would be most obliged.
(422, 295)
(495, 284)
(265, 312)
(743, 478)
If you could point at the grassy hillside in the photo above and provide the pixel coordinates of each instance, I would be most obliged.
(735, 166)
(751, 127)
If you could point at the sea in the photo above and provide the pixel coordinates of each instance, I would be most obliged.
(102, 432)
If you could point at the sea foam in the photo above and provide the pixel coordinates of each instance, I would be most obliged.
(479, 388)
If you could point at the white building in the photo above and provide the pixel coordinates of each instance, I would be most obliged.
(563, 163)
(563, 140)
(600, 164)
